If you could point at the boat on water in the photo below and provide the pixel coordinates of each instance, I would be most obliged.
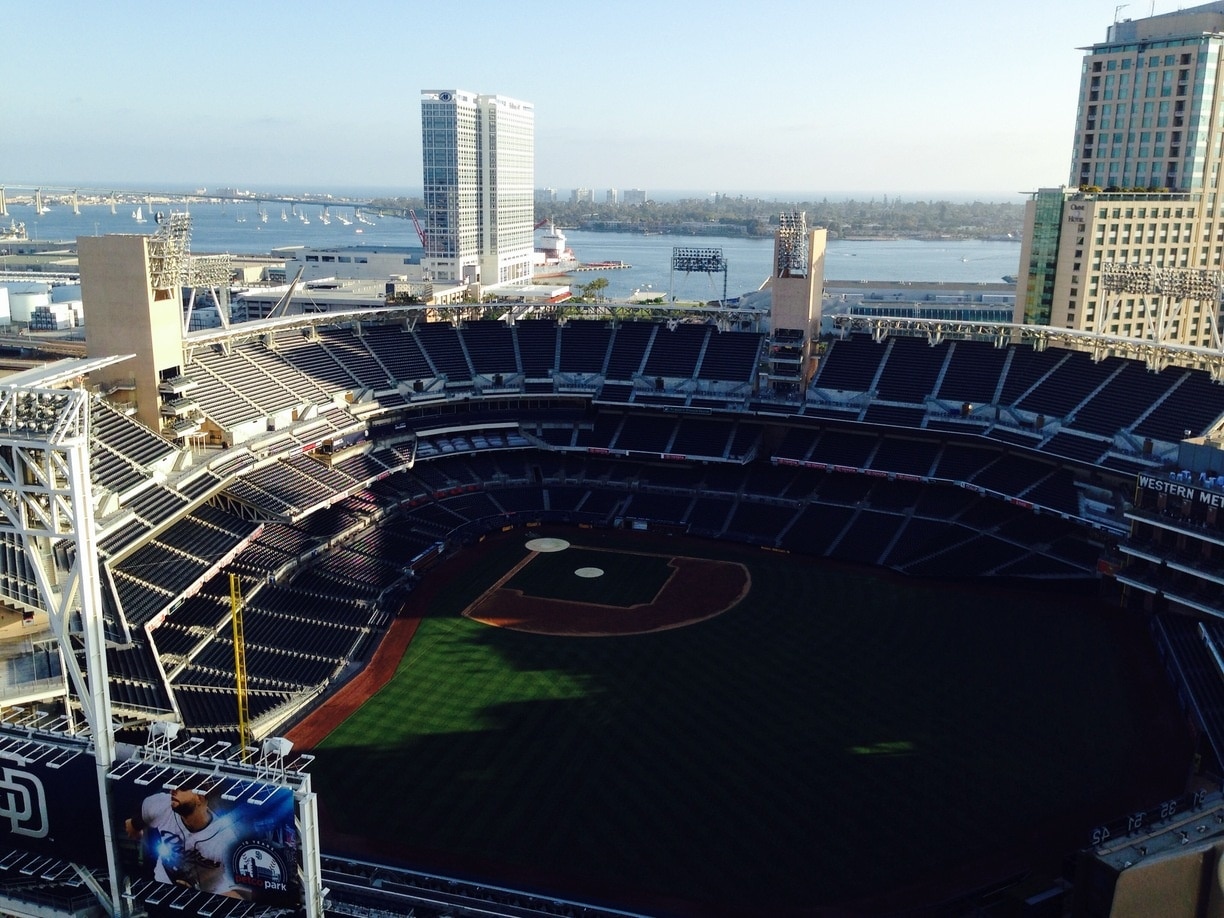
(553, 257)
(14, 232)
(138, 215)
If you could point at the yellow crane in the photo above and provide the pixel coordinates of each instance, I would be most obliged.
(244, 717)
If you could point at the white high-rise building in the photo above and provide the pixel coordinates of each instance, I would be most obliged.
(478, 165)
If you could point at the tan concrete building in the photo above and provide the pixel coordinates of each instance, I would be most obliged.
(129, 315)
(796, 284)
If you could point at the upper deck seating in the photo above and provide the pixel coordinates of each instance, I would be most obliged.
(1192, 405)
(1128, 396)
(584, 346)
(850, 364)
(730, 356)
(490, 344)
(314, 360)
(910, 370)
(973, 372)
(537, 346)
(351, 352)
(440, 341)
(1070, 383)
(1025, 367)
(399, 351)
(674, 352)
(629, 344)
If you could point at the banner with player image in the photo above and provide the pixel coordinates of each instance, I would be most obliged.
(229, 837)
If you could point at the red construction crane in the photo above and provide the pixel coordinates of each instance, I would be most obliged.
(420, 230)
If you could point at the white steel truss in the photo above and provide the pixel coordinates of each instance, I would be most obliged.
(46, 509)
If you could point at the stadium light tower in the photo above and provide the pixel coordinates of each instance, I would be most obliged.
(690, 260)
(1169, 301)
(172, 267)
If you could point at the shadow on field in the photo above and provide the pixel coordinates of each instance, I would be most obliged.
(836, 735)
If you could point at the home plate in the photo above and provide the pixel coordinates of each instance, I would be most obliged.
(548, 545)
(589, 572)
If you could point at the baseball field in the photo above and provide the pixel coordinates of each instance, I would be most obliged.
(704, 728)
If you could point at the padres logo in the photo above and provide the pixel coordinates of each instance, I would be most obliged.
(23, 803)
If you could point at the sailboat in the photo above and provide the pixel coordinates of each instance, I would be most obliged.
(138, 215)
(284, 216)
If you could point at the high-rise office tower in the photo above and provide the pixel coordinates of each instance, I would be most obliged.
(478, 162)
(1133, 245)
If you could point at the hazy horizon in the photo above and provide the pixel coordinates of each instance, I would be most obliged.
(374, 191)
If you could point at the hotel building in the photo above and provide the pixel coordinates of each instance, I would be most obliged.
(1133, 246)
(478, 163)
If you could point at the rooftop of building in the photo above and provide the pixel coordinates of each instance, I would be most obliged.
(1184, 23)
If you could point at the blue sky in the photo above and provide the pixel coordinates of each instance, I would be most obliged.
(959, 98)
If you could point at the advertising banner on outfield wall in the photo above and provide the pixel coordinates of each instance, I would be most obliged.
(229, 836)
(50, 804)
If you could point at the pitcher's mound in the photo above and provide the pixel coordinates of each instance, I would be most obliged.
(547, 544)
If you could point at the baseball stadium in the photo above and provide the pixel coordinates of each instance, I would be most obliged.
(582, 613)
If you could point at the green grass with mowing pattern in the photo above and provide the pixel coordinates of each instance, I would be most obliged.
(836, 734)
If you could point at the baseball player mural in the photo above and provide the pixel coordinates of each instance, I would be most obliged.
(242, 849)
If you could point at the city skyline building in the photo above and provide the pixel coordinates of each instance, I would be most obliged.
(1133, 245)
(478, 177)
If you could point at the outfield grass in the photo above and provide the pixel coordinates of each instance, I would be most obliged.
(836, 734)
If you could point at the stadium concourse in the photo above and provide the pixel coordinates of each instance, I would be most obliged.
(348, 456)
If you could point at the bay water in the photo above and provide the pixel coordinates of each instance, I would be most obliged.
(240, 229)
